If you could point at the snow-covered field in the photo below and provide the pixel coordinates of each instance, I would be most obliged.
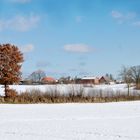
(65, 89)
(102, 121)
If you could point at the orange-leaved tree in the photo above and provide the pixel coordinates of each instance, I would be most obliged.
(11, 60)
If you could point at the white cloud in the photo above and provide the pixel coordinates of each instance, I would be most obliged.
(19, 23)
(21, 1)
(121, 17)
(27, 48)
(78, 48)
(116, 14)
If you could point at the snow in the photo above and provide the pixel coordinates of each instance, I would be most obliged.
(98, 121)
(64, 89)
(88, 90)
(89, 78)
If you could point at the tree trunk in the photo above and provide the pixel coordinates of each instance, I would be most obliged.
(6, 87)
(128, 93)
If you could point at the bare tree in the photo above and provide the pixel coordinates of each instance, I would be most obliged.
(65, 80)
(37, 76)
(10, 64)
(135, 74)
(126, 77)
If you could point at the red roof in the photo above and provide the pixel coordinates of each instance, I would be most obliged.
(48, 79)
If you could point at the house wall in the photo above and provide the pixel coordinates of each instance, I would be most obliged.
(90, 81)
(102, 81)
(48, 82)
(96, 81)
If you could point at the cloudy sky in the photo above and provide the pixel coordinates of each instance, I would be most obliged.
(73, 37)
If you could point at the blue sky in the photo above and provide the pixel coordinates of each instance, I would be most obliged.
(73, 37)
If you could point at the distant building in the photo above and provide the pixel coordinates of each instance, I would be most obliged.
(65, 80)
(90, 80)
(104, 80)
(48, 80)
(25, 82)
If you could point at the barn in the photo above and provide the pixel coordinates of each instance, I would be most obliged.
(90, 80)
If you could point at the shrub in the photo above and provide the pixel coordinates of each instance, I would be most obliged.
(11, 93)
